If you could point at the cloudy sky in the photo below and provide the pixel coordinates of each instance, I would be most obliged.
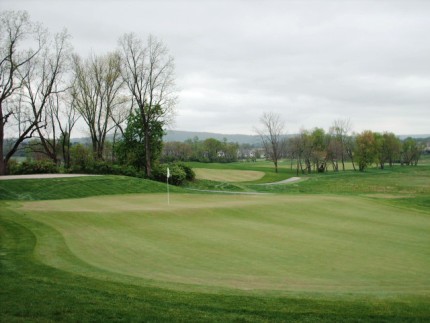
(311, 61)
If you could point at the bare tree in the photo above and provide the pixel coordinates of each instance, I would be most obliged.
(148, 71)
(340, 130)
(272, 136)
(42, 81)
(15, 29)
(64, 117)
(97, 94)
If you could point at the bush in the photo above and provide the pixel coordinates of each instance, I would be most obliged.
(189, 173)
(33, 167)
(105, 168)
(177, 174)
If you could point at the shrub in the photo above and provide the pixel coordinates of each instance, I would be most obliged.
(189, 173)
(105, 168)
(33, 167)
(177, 174)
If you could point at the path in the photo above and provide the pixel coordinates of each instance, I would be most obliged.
(35, 176)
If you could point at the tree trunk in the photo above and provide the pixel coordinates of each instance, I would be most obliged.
(353, 165)
(343, 162)
(148, 152)
(3, 162)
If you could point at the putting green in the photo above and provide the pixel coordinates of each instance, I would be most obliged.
(261, 242)
(227, 175)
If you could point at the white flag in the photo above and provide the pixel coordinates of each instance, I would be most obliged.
(168, 172)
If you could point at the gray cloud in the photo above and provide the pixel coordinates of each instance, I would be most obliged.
(311, 61)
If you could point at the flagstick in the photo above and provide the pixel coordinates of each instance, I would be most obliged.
(168, 193)
(167, 181)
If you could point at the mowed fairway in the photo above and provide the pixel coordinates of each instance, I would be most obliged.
(228, 175)
(264, 243)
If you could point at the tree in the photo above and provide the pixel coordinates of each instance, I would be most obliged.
(15, 28)
(350, 147)
(131, 149)
(392, 147)
(212, 149)
(176, 150)
(340, 130)
(148, 72)
(366, 149)
(411, 152)
(64, 114)
(97, 94)
(272, 136)
(42, 83)
(319, 149)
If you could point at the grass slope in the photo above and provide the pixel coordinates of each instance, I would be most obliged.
(63, 188)
(46, 273)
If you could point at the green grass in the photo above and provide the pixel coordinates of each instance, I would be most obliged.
(258, 243)
(335, 247)
(407, 186)
(264, 166)
(228, 175)
(63, 188)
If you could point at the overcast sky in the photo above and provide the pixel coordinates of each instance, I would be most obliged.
(311, 61)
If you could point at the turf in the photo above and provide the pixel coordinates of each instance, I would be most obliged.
(62, 188)
(317, 244)
(228, 175)
(359, 241)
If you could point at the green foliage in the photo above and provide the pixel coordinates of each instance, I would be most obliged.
(411, 151)
(105, 168)
(366, 149)
(208, 151)
(131, 149)
(177, 173)
(33, 167)
(189, 173)
(81, 157)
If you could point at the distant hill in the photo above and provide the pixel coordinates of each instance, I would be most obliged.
(402, 137)
(176, 135)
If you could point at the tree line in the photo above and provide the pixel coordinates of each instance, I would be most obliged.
(316, 150)
(45, 88)
(206, 151)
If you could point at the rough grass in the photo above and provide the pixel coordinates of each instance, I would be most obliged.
(62, 188)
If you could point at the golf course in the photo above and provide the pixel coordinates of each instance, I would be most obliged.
(231, 246)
